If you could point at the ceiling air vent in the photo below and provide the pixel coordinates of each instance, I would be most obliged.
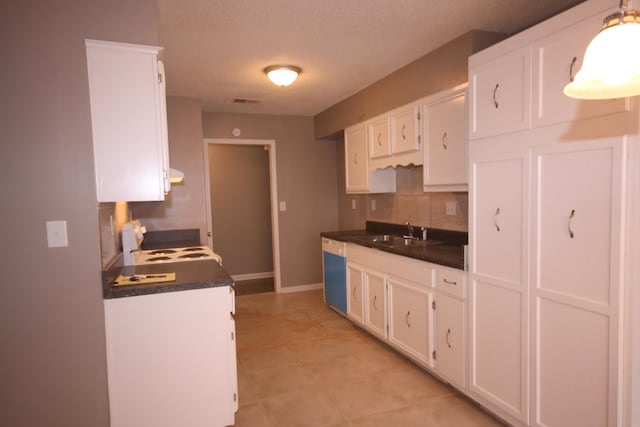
(245, 101)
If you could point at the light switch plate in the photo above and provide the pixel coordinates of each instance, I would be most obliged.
(57, 234)
(353, 204)
(373, 204)
(283, 206)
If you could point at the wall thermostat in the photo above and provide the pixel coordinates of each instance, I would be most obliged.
(236, 132)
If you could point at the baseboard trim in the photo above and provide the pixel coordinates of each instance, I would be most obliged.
(252, 276)
(300, 288)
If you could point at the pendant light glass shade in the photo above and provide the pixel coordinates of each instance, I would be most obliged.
(611, 66)
(282, 75)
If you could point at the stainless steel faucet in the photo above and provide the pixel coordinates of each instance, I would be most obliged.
(410, 229)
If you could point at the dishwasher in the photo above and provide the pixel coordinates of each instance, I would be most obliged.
(334, 263)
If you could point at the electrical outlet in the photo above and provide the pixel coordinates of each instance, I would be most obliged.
(283, 206)
(353, 204)
(451, 208)
(373, 204)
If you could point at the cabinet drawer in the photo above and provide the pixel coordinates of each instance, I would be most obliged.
(451, 281)
(557, 59)
(500, 95)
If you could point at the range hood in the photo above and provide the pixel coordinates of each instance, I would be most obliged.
(175, 176)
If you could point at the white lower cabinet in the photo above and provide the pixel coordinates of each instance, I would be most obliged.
(411, 320)
(355, 294)
(451, 325)
(376, 309)
(451, 339)
(401, 306)
(171, 359)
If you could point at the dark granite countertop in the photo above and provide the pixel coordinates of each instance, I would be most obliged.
(196, 274)
(449, 251)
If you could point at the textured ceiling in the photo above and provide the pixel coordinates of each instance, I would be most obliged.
(215, 50)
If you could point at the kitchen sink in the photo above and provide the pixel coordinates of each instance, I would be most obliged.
(395, 241)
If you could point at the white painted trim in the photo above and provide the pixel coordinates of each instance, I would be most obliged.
(273, 183)
(300, 288)
(252, 276)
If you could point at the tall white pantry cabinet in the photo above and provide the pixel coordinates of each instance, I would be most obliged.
(554, 316)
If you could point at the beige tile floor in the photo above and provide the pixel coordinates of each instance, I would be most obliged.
(302, 364)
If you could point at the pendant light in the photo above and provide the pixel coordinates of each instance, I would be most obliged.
(611, 66)
(282, 75)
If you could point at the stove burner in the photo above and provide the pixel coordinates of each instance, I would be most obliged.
(195, 248)
(159, 258)
(162, 252)
(194, 255)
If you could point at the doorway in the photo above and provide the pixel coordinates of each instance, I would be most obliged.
(241, 200)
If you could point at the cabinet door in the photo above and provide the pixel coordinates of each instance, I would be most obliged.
(355, 281)
(376, 305)
(128, 121)
(499, 316)
(149, 382)
(446, 145)
(378, 132)
(405, 129)
(451, 339)
(576, 282)
(498, 216)
(500, 99)
(411, 320)
(557, 59)
(355, 152)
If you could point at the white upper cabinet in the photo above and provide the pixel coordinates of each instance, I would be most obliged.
(355, 149)
(378, 132)
(359, 178)
(445, 151)
(405, 129)
(129, 121)
(500, 94)
(557, 59)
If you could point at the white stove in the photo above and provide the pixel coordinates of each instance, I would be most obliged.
(132, 237)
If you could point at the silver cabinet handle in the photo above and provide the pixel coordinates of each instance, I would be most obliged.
(375, 306)
(380, 139)
(573, 62)
(354, 293)
(495, 219)
(571, 233)
(448, 333)
(355, 159)
(444, 140)
(403, 134)
(406, 319)
(449, 282)
(495, 101)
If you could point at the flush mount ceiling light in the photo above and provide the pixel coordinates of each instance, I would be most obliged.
(611, 66)
(282, 75)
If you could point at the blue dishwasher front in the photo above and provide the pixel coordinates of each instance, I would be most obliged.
(335, 274)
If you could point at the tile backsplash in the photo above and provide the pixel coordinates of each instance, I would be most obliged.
(408, 203)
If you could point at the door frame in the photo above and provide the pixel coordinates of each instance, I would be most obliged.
(269, 145)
